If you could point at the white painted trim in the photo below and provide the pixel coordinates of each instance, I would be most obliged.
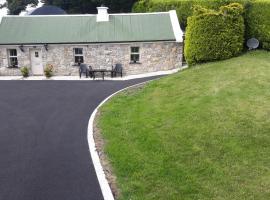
(149, 13)
(105, 188)
(104, 185)
(103, 182)
(90, 15)
(178, 33)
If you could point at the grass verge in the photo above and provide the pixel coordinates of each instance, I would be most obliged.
(203, 133)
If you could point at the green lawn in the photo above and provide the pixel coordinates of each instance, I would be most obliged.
(203, 133)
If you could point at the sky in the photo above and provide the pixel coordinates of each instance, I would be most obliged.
(4, 11)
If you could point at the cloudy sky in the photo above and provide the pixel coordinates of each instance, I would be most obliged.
(4, 11)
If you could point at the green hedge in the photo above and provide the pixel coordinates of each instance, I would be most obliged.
(214, 35)
(184, 8)
(258, 22)
(257, 13)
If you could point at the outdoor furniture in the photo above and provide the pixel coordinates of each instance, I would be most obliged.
(118, 69)
(91, 73)
(84, 70)
(102, 71)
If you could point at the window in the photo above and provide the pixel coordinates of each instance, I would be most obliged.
(135, 54)
(13, 58)
(36, 54)
(78, 55)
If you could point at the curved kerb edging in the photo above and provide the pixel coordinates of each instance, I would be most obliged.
(104, 184)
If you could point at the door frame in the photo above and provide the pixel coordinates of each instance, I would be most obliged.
(31, 63)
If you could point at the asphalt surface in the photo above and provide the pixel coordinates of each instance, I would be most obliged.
(44, 152)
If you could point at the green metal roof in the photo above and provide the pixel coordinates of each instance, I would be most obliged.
(85, 29)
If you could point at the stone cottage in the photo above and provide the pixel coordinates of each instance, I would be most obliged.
(141, 42)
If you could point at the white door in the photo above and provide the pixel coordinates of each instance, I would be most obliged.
(36, 62)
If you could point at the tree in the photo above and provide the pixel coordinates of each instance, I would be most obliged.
(72, 6)
(89, 6)
(16, 6)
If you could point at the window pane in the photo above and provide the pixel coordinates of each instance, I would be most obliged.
(14, 61)
(134, 57)
(134, 49)
(78, 51)
(13, 52)
(79, 59)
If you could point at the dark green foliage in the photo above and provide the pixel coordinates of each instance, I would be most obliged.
(16, 6)
(184, 8)
(258, 22)
(89, 6)
(257, 13)
(214, 35)
(266, 45)
(73, 6)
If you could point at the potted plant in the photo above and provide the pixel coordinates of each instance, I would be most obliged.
(25, 71)
(48, 71)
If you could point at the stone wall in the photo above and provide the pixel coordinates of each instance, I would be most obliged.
(156, 56)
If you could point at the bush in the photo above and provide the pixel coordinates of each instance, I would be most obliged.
(214, 35)
(257, 13)
(48, 71)
(25, 71)
(266, 45)
(258, 22)
(184, 8)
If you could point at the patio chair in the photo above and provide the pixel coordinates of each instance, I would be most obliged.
(118, 69)
(91, 73)
(84, 70)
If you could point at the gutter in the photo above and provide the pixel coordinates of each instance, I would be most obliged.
(88, 43)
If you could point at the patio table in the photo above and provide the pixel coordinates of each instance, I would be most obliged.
(102, 71)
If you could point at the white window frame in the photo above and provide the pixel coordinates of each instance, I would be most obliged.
(78, 55)
(10, 56)
(135, 53)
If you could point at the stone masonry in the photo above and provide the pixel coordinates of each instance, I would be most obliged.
(155, 56)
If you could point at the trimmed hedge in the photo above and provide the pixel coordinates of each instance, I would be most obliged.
(214, 35)
(257, 13)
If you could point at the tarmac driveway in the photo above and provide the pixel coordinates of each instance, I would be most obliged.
(44, 152)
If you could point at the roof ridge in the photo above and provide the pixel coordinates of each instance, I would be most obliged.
(90, 15)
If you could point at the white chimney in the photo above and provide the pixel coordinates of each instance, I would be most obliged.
(102, 15)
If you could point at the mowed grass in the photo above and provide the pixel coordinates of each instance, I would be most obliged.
(203, 133)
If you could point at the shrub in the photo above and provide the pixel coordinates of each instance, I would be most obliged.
(48, 71)
(258, 22)
(266, 45)
(24, 71)
(214, 35)
(184, 8)
(257, 13)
